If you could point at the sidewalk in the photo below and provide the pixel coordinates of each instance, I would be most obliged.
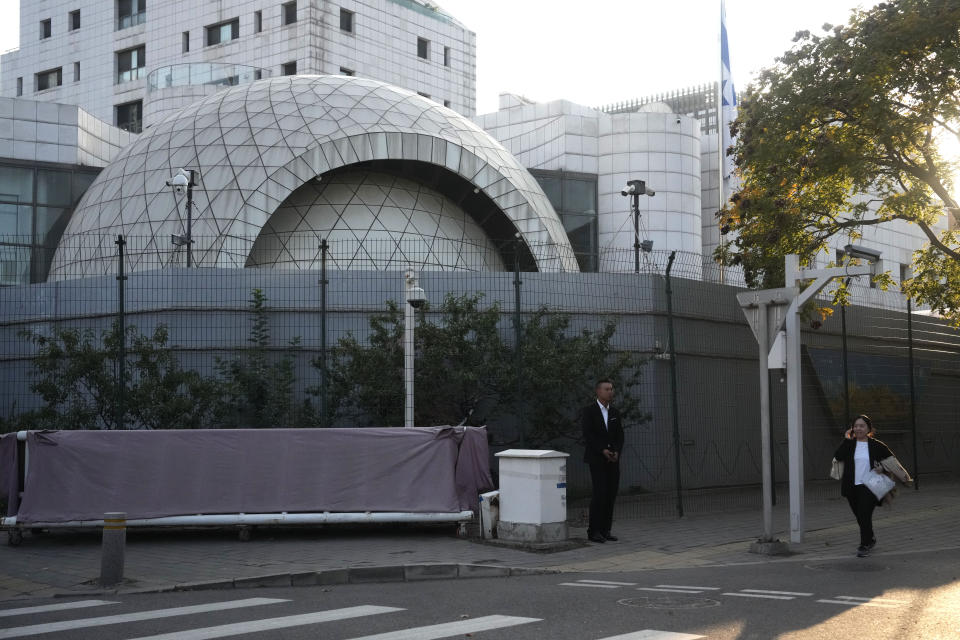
(68, 562)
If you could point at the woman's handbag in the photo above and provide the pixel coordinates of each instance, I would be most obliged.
(836, 469)
(878, 483)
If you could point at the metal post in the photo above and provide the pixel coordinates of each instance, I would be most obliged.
(122, 329)
(517, 352)
(913, 397)
(190, 219)
(113, 547)
(794, 423)
(766, 457)
(846, 370)
(635, 203)
(673, 386)
(410, 279)
(323, 332)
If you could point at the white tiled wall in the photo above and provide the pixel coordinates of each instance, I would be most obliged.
(46, 132)
(383, 46)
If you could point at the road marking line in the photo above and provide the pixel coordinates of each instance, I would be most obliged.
(756, 595)
(653, 634)
(449, 629)
(79, 604)
(622, 584)
(667, 590)
(884, 600)
(583, 584)
(684, 586)
(237, 628)
(854, 603)
(67, 625)
(778, 593)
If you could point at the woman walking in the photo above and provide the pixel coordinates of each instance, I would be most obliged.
(860, 453)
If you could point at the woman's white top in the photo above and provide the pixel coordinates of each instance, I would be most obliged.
(861, 463)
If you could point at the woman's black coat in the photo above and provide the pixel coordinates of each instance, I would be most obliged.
(878, 451)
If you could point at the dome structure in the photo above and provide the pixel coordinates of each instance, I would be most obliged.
(276, 160)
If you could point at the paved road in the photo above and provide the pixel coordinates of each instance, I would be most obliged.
(900, 595)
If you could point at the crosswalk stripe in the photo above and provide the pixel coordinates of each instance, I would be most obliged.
(619, 584)
(224, 630)
(855, 603)
(777, 593)
(66, 625)
(653, 634)
(585, 584)
(757, 595)
(63, 606)
(686, 586)
(668, 590)
(449, 629)
(881, 600)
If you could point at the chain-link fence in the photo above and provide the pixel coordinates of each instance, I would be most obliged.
(311, 334)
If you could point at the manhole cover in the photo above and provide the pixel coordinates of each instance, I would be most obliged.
(669, 602)
(853, 566)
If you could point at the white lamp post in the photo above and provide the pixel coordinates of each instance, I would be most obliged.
(416, 298)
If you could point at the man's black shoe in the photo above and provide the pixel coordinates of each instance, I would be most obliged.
(596, 537)
(609, 536)
(862, 551)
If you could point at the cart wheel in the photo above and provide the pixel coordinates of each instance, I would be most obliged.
(244, 534)
(14, 537)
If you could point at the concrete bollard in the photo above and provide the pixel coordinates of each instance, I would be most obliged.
(113, 548)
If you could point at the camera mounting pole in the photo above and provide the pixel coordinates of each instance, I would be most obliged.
(635, 189)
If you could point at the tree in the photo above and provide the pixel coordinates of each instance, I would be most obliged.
(75, 375)
(465, 371)
(256, 392)
(841, 134)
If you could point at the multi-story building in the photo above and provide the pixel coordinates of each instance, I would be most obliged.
(129, 62)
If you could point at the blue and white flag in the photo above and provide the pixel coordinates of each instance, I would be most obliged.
(728, 96)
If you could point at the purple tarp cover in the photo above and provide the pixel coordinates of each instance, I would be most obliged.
(9, 473)
(80, 475)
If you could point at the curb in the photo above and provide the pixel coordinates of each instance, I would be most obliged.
(330, 577)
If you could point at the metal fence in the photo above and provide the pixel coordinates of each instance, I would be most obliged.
(297, 342)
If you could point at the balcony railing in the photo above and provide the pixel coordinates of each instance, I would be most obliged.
(131, 20)
(203, 73)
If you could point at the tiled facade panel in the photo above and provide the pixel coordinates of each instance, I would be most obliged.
(383, 46)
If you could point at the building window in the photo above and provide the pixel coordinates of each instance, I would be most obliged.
(423, 48)
(46, 29)
(288, 13)
(446, 103)
(185, 42)
(446, 56)
(257, 21)
(50, 79)
(288, 68)
(131, 13)
(131, 64)
(346, 20)
(421, 93)
(76, 72)
(19, 87)
(347, 72)
(574, 198)
(129, 116)
(223, 32)
(73, 20)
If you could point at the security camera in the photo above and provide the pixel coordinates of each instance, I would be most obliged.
(863, 253)
(416, 297)
(636, 188)
(179, 182)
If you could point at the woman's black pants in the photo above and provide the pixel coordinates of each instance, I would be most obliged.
(862, 503)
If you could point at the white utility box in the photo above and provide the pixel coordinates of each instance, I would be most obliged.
(533, 495)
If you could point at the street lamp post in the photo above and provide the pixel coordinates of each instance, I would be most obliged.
(635, 189)
(416, 298)
(185, 180)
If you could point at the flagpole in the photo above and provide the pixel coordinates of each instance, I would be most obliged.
(720, 149)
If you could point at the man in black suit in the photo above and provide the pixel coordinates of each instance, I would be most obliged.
(602, 443)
